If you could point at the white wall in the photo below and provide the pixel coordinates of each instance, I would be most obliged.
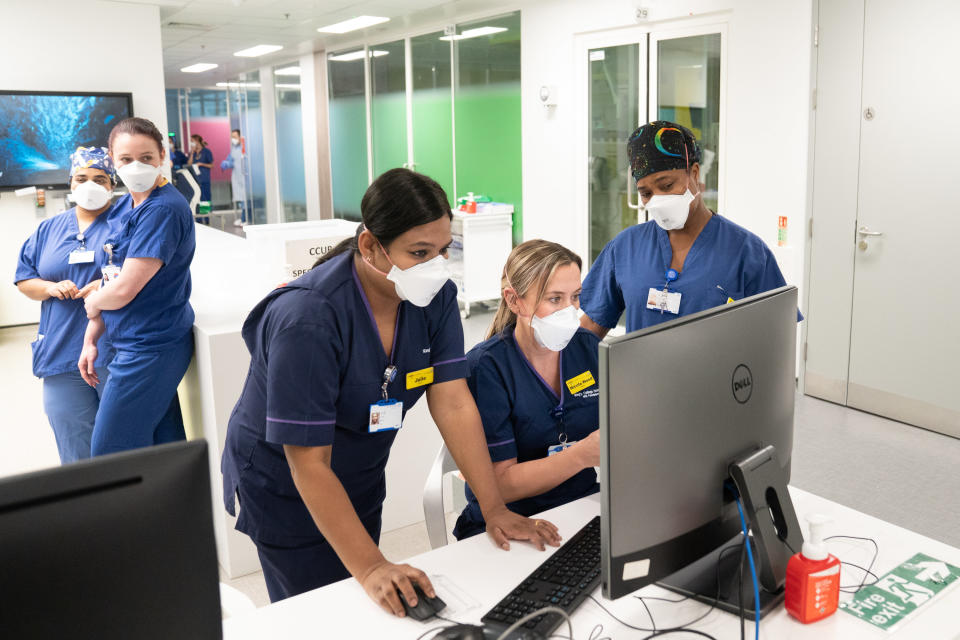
(58, 45)
(766, 111)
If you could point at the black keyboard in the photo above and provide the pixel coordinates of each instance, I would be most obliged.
(564, 580)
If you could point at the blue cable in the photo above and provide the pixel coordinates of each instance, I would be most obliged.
(753, 571)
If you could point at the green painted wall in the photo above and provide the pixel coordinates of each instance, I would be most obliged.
(348, 152)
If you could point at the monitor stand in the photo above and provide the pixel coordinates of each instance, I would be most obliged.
(700, 581)
(774, 536)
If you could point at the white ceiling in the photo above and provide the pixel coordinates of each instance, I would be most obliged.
(212, 30)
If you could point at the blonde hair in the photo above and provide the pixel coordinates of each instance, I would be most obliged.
(530, 265)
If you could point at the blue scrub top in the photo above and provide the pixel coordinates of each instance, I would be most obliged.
(725, 261)
(316, 366)
(521, 414)
(205, 156)
(162, 227)
(46, 255)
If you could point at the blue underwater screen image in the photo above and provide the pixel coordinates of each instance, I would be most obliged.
(39, 132)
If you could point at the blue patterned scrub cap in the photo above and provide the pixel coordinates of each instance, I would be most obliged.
(92, 158)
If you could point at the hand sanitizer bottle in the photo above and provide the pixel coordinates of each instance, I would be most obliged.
(813, 577)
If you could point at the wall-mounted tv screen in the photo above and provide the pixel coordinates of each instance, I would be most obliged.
(39, 131)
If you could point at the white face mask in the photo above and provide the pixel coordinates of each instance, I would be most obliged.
(557, 329)
(235, 142)
(91, 196)
(670, 211)
(138, 177)
(420, 283)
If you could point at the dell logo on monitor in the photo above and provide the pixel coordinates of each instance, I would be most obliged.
(742, 383)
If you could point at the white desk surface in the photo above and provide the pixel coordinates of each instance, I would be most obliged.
(486, 573)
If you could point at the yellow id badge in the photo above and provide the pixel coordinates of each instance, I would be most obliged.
(420, 378)
(580, 382)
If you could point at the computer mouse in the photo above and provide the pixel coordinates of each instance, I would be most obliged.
(462, 632)
(426, 606)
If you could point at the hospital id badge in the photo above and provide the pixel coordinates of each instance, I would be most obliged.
(110, 272)
(385, 415)
(557, 448)
(661, 300)
(80, 257)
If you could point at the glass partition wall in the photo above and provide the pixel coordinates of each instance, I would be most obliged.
(445, 104)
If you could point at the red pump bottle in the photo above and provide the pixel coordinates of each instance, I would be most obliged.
(813, 577)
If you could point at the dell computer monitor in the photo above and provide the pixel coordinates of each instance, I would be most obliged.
(680, 402)
(119, 546)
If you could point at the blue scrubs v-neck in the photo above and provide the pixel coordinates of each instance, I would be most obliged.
(725, 262)
(315, 369)
(519, 413)
(46, 255)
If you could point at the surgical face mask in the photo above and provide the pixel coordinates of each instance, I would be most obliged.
(420, 283)
(91, 196)
(193, 145)
(235, 142)
(557, 329)
(670, 211)
(138, 177)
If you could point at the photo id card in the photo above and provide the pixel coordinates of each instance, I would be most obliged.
(557, 448)
(386, 415)
(660, 300)
(80, 257)
(110, 272)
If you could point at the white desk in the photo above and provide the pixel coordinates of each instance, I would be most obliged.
(342, 610)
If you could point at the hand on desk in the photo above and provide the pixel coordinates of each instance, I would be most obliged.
(505, 525)
(382, 580)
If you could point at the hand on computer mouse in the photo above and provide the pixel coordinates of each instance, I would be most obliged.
(505, 525)
(383, 580)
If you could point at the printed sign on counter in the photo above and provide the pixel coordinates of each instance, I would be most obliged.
(302, 254)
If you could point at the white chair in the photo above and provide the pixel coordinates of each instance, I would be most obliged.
(434, 510)
(233, 602)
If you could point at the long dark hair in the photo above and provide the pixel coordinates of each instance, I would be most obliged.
(394, 203)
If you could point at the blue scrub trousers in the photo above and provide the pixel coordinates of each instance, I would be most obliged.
(71, 407)
(139, 405)
(292, 570)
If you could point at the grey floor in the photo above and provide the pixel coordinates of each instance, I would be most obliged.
(890, 470)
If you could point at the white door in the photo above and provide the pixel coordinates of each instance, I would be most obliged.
(904, 338)
(632, 76)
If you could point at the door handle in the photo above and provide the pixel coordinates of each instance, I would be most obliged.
(865, 231)
(630, 203)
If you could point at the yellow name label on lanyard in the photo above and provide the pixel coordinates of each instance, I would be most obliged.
(580, 382)
(419, 378)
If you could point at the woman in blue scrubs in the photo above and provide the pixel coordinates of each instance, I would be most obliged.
(535, 382)
(60, 266)
(144, 303)
(201, 162)
(686, 258)
(337, 358)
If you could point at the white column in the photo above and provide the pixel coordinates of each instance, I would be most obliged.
(268, 102)
(309, 104)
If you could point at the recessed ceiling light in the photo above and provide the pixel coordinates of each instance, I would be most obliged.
(474, 33)
(357, 55)
(287, 71)
(200, 67)
(259, 50)
(360, 22)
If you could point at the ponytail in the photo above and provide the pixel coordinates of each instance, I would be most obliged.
(530, 265)
(347, 244)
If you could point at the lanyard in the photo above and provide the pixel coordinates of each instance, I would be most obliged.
(82, 240)
(389, 374)
(670, 276)
(557, 412)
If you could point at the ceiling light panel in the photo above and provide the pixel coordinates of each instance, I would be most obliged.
(259, 50)
(199, 67)
(360, 22)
